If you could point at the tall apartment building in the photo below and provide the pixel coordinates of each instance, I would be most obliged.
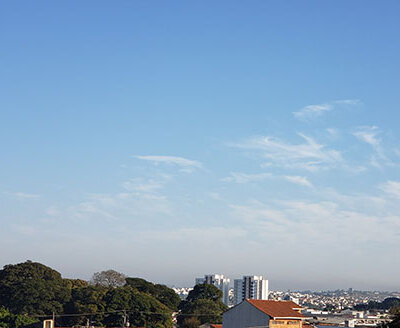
(250, 287)
(219, 281)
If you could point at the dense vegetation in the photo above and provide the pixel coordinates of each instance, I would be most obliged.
(395, 323)
(31, 291)
(388, 303)
(10, 320)
(203, 304)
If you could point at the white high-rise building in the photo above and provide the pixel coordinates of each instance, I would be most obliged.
(253, 287)
(219, 281)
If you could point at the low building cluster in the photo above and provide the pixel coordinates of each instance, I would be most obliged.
(332, 301)
(253, 305)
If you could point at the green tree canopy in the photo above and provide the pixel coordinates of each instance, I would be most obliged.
(165, 295)
(76, 283)
(204, 291)
(32, 288)
(203, 304)
(386, 304)
(9, 320)
(204, 310)
(89, 299)
(142, 309)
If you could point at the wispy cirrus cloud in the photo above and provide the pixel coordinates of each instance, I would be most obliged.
(174, 160)
(238, 177)
(347, 102)
(312, 111)
(309, 155)
(142, 185)
(370, 135)
(22, 195)
(302, 181)
(245, 178)
(317, 219)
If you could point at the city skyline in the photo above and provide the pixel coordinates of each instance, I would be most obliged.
(167, 140)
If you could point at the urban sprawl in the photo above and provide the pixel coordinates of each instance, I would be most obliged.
(33, 295)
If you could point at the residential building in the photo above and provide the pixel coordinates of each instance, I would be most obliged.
(264, 313)
(250, 287)
(219, 281)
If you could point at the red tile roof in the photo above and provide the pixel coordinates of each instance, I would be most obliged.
(277, 309)
(215, 325)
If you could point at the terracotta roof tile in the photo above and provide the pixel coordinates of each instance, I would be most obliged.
(277, 309)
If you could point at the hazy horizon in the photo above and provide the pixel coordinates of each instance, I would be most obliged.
(168, 140)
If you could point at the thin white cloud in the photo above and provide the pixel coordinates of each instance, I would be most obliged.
(312, 111)
(245, 178)
(315, 221)
(302, 181)
(392, 188)
(347, 102)
(215, 195)
(369, 135)
(332, 132)
(23, 195)
(141, 185)
(308, 155)
(175, 160)
(238, 177)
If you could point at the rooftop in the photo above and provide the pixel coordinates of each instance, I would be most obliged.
(278, 309)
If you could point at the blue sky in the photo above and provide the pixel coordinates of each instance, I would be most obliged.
(169, 139)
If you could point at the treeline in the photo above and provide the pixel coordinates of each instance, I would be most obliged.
(386, 304)
(30, 292)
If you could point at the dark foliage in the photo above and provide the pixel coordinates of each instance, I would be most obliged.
(161, 292)
(142, 309)
(387, 304)
(203, 304)
(32, 288)
(88, 299)
(9, 320)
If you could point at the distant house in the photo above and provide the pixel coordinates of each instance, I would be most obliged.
(264, 313)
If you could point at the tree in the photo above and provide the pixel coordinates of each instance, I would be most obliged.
(76, 283)
(109, 278)
(190, 322)
(204, 303)
(9, 320)
(205, 291)
(165, 295)
(87, 299)
(388, 303)
(142, 309)
(204, 310)
(395, 323)
(392, 303)
(32, 288)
